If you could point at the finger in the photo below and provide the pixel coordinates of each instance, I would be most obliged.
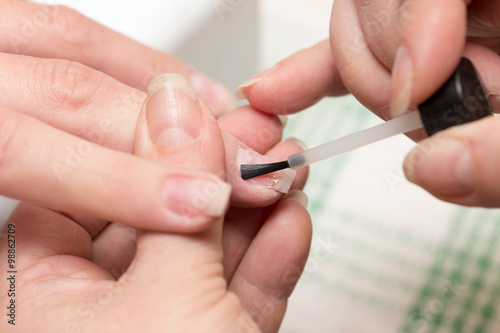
(49, 244)
(114, 248)
(361, 72)
(91, 105)
(241, 225)
(258, 130)
(262, 132)
(460, 165)
(272, 265)
(175, 127)
(51, 265)
(425, 38)
(107, 114)
(487, 63)
(295, 83)
(76, 176)
(286, 148)
(113, 245)
(71, 97)
(60, 32)
(481, 27)
(261, 191)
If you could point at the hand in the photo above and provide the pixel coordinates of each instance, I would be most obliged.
(58, 32)
(71, 277)
(107, 116)
(97, 109)
(392, 55)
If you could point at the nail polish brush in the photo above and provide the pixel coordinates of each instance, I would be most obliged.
(462, 99)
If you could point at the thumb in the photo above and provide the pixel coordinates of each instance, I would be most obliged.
(177, 129)
(431, 43)
(460, 165)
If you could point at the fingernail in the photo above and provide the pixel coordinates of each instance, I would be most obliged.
(213, 93)
(298, 142)
(172, 111)
(280, 181)
(195, 194)
(297, 195)
(240, 91)
(402, 82)
(385, 113)
(443, 164)
(283, 120)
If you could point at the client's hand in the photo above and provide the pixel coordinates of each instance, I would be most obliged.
(71, 267)
(58, 32)
(45, 166)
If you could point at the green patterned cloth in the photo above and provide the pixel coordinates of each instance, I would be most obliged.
(387, 256)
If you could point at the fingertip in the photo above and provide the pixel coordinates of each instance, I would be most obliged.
(442, 165)
(178, 131)
(245, 87)
(434, 35)
(216, 95)
(259, 191)
(286, 148)
(299, 143)
(460, 165)
(161, 198)
(293, 222)
(193, 194)
(298, 196)
(296, 83)
(402, 82)
(258, 130)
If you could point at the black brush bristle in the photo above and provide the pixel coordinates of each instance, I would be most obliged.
(254, 170)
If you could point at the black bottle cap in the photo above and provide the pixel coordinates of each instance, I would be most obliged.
(460, 100)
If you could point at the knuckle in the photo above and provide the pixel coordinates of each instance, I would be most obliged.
(66, 85)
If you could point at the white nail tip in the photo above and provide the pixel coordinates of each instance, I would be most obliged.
(170, 80)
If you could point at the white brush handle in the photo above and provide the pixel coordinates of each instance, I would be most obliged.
(403, 124)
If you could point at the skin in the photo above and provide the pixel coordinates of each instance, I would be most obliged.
(98, 108)
(392, 55)
(76, 240)
(79, 277)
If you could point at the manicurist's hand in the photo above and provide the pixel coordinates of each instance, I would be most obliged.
(80, 274)
(66, 127)
(392, 55)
